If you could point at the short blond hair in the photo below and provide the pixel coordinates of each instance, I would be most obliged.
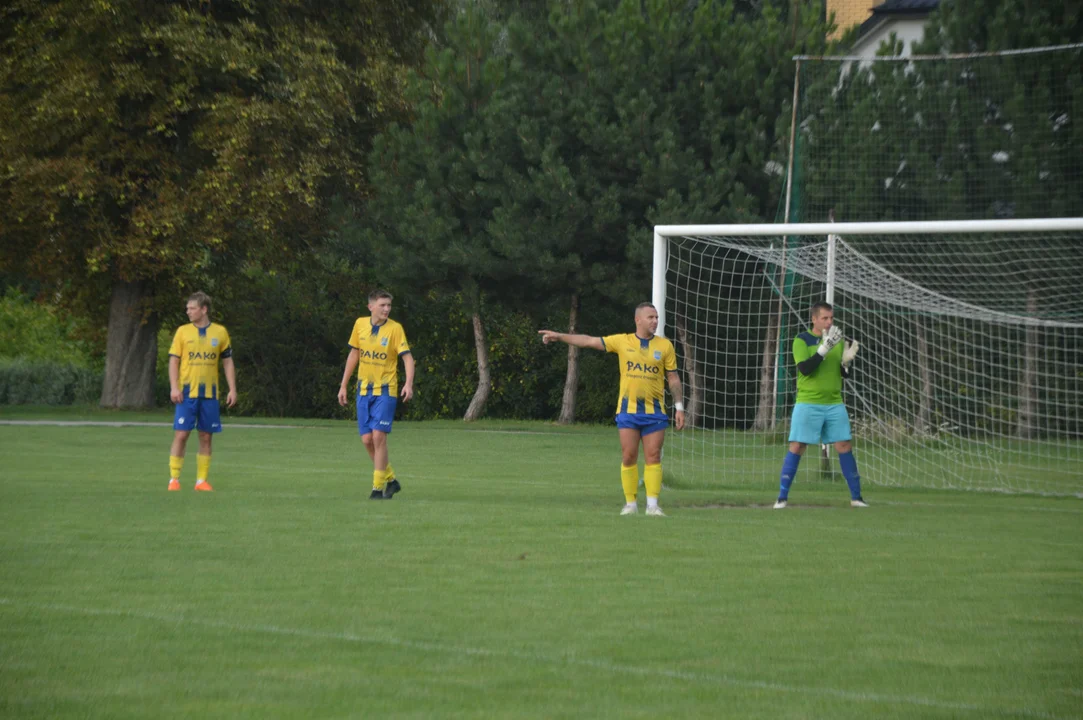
(202, 299)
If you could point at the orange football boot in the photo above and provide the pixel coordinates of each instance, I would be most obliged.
(204, 486)
(174, 484)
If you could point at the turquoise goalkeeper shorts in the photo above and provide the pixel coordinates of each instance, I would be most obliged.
(814, 424)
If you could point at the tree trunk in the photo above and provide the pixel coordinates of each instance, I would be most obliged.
(571, 379)
(691, 375)
(485, 381)
(765, 408)
(131, 350)
(1027, 395)
(923, 421)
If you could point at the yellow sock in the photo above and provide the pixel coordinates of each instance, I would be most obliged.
(629, 480)
(379, 479)
(175, 465)
(390, 473)
(203, 466)
(652, 480)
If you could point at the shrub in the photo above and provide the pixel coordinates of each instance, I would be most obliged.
(35, 330)
(24, 381)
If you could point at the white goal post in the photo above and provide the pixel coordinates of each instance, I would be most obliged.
(970, 373)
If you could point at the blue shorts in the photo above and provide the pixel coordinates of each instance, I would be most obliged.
(197, 414)
(375, 412)
(645, 424)
(814, 424)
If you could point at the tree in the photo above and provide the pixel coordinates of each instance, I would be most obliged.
(977, 137)
(610, 150)
(560, 214)
(437, 177)
(150, 147)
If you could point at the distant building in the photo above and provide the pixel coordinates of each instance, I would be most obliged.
(905, 18)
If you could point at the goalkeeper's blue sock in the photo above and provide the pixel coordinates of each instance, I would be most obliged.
(849, 471)
(789, 470)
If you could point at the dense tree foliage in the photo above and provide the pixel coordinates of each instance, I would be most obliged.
(961, 138)
(544, 148)
(285, 157)
(147, 147)
(977, 135)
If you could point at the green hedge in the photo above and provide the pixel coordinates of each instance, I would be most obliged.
(290, 333)
(30, 329)
(44, 382)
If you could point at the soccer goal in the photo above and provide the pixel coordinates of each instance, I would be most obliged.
(970, 373)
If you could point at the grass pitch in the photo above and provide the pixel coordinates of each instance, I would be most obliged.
(503, 583)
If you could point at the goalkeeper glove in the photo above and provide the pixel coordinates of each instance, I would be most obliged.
(831, 339)
(849, 352)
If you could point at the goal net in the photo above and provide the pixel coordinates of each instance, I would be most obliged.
(970, 372)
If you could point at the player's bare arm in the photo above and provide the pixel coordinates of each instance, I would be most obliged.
(677, 391)
(351, 365)
(175, 394)
(583, 341)
(408, 386)
(231, 380)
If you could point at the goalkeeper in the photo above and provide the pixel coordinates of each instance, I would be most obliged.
(819, 414)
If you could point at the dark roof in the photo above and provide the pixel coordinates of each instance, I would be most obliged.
(906, 7)
(895, 8)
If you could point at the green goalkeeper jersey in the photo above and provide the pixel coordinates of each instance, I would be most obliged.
(823, 386)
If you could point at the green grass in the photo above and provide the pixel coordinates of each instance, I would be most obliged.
(992, 464)
(502, 583)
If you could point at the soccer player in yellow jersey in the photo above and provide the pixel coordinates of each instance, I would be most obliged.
(193, 387)
(376, 344)
(645, 358)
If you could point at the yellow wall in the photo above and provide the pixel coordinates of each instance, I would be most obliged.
(849, 13)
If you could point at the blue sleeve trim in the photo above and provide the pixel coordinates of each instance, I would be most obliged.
(176, 356)
(227, 353)
(603, 344)
(405, 352)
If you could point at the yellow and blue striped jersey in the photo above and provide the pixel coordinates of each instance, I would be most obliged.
(199, 349)
(643, 367)
(379, 349)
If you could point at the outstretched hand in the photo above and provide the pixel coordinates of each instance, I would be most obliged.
(548, 336)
